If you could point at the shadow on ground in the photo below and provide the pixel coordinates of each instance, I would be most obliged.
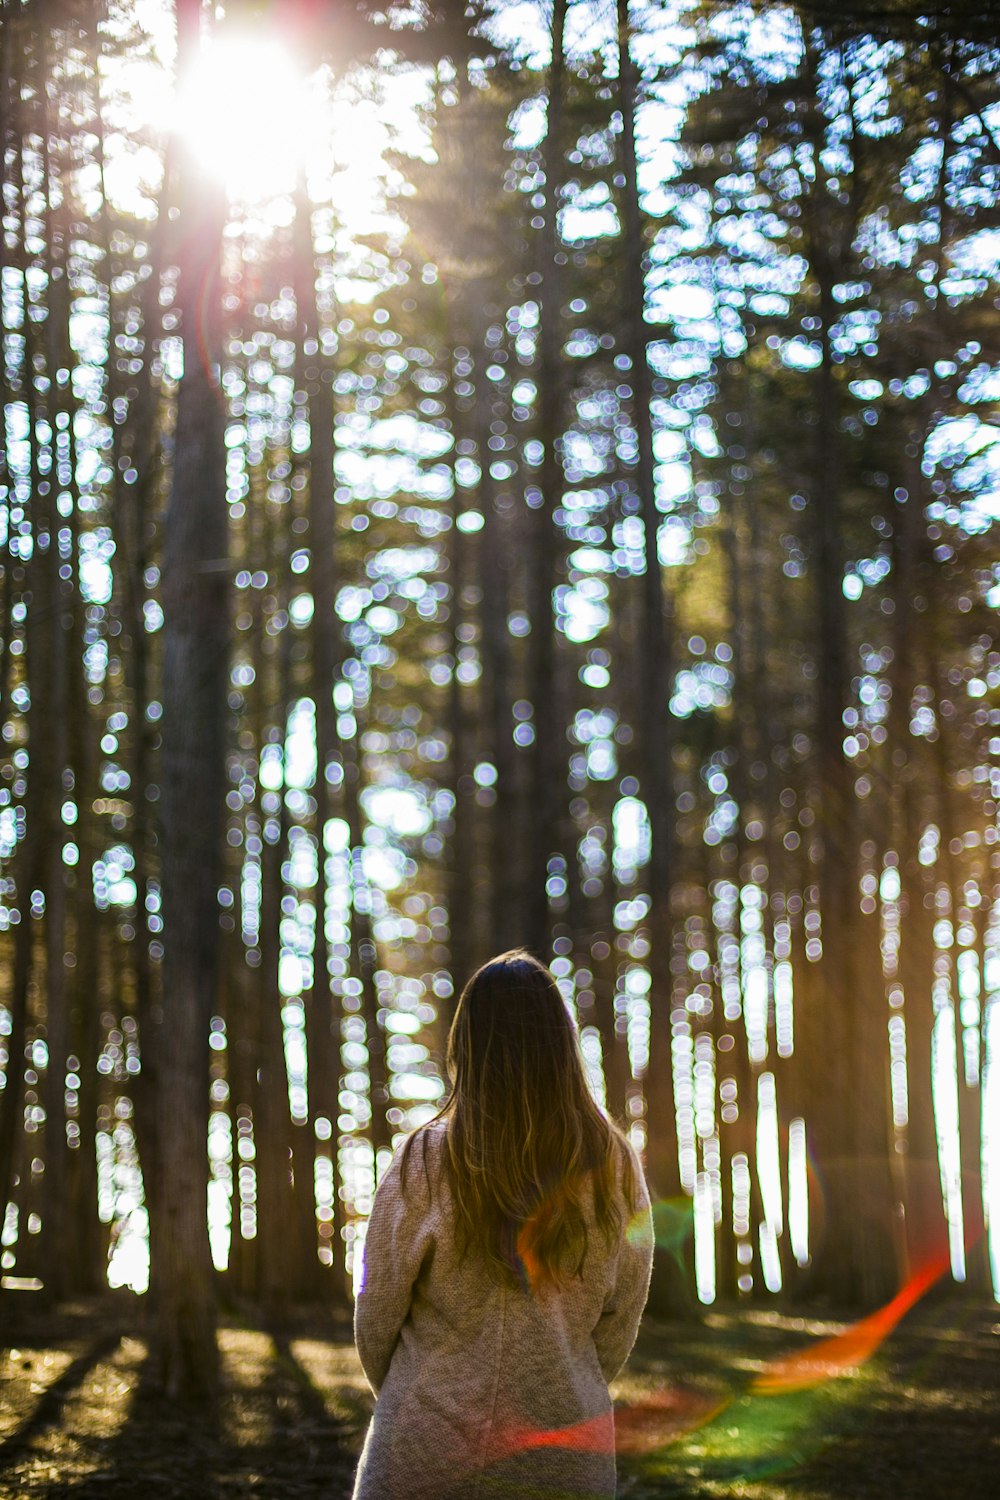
(81, 1417)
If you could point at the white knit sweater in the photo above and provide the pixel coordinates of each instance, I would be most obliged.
(486, 1390)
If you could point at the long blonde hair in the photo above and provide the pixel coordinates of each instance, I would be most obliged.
(524, 1136)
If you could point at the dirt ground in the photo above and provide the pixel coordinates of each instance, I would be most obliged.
(697, 1417)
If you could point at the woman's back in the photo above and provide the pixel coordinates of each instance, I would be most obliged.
(488, 1384)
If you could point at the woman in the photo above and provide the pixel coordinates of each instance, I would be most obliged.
(506, 1266)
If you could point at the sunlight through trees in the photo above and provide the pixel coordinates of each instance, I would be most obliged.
(492, 474)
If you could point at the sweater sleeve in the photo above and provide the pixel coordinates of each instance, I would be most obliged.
(398, 1240)
(618, 1324)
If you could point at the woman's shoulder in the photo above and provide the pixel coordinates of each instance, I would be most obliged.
(627, 1168)
(419, 1154)
(428, 1137)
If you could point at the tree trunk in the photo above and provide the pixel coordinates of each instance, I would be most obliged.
(29, 864)
(136, 442)
(364, 953)
(55, 605)
(316, 382)
(195, 672)
(241, 1022)
(507, 834)
(672, 1279)
(461, 874)
(88, 1265)
(545, 782)
(971, 1060)
(925, 1231)
(272, 1123)
(848, 1123)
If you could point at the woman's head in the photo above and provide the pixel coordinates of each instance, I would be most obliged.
(513, 1048)
(526, 1141)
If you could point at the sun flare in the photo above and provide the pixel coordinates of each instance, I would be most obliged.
(251, 115)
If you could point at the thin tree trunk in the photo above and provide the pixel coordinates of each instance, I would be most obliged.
(925, 1231)
(600, 950)
(316, 381)
(542, 810)
(506, 867)
(56, 1263)
(30, 855)
(135, 443)
(462, 895)
(970, 1106)
(242, 1058)
(272, 1125)
(364, 952)
(88, 1267)
(672, 1283)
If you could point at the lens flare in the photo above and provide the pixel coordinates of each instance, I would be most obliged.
(773, 1424)
(846, 1351)
(639, 1427)
(643, 1427)
(673, 1224)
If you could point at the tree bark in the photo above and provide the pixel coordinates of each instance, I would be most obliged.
(135, 441)
(29, 862)
(848, 1124)
(461, 875)
(506, 833)
(545, 784)
(49, 756)
(672, 1280)
(195, 672)
(272, 1123)
(316, 383)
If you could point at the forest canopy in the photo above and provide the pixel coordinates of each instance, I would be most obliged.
(516, 473)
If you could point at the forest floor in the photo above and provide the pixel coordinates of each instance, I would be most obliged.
(704, 1413)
